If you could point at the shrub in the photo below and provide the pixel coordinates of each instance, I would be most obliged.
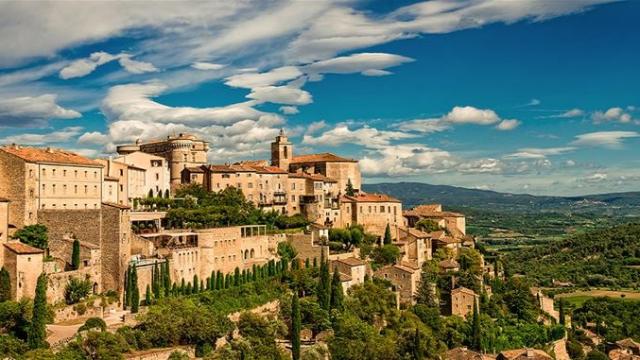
(93, 323)
(76, 290)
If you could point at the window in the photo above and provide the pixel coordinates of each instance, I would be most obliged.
(75, 173)
(86, 174)
(75, 189)
(30, 173)
(64, 172)
(43, 188)
(53, 172)
(121, 187)
(250, 185)
(64, 188)
(86, 189)
(381, 208)
(44, 172)
(157, 177)
(121, 172)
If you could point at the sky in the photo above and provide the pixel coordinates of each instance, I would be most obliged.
(536, 97)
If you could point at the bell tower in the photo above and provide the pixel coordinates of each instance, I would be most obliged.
(281, 151)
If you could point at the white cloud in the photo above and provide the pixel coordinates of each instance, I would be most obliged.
(608, 139)
(136, 67)
(59, 136)
(364, 136)
(84, 67)
(93, 138)
(281, 95)
(371, 63)
(376, 72)
(28, 110)
(289, 110)
(426, 126)
(315, 127)
(272, 77)
(613, 114)
(507, 125)
(471, 115)
(570, 114)
(206, 66)
(534, 102)
(539, 153)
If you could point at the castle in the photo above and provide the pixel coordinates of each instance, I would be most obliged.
(95, 202)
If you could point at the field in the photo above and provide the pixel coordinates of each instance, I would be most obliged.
(577, 298)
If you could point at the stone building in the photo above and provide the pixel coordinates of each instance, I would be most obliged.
(353, 269)
(462, 300)
(24, 264)
(120, 172)
(454, 223)
(373, 211)
(523, 354)
(415, 246)
(156, 171)
(36, 179)
(181, 151)
(4, 226)
(405, 279)
(462, 353)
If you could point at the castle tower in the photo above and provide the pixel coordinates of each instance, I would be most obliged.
(281, 151)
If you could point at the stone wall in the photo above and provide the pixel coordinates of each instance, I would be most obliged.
(83, 224)
(24, 270)
(57, 282)
(116, 246)
(13, 187)
(306, 249)
(161, 354)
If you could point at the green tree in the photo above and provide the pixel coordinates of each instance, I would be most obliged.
(596, 355)
(476, 340)
(34, 235)
(93, 323)
(76, 290)
(561, 311)
(324, 286)
(5, 285)
(295, 327)
(147, 296)
(427, 293)
(337, 295)
(37, 331)
(417, 346)
(166, 279)
(385, 255)
(286, 251)
(349, 190)
(196, 284)
(236, 277)
(167, 195)
(387, 235)
(427, 225)
(75, 255)
(135, 292)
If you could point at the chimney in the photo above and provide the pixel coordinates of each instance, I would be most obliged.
(49, 149)
(530, 353)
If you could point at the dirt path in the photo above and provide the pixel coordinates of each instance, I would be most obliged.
(60, 334)
(546, 303)
(560, 349)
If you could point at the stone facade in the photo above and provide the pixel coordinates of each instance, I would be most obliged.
(120, 172)
(156, 174)
(180, 151)
(354, 268)
(57, 282)
(373, 211)
(24, 264)
(404, 278)
(462, 300)
(35, 179)
(4, 227)
(115, 245)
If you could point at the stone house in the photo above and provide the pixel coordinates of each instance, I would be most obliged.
(35, 179)
(453, 222)
(24, 264)
(415, 246)
(462, 353)
(354, 269)
(4, 226)
(373, 211)
(462, 301)
(156, 170)
(523, 354)
(405, 279)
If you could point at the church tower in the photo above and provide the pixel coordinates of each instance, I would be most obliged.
(281, 151)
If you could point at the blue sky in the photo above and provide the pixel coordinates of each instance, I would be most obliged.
(521, 96)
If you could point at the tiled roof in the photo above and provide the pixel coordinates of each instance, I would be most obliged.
(448, 264)
(405, 268)
(433, 210)
(345, 277)
(628, 343)
(22, 249)
(522, 354)
(254, 162)
(364, 197)
(269, 170)
(315, 177)
(48, 156)
(234, 168)
(324, 157)
(463, 290)
(466, 354)
(414, 232)
(351, 261)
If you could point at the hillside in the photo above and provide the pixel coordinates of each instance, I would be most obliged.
(605, 257)
(413, 193)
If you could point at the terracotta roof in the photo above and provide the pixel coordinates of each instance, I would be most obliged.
(437, 234)
(410, 265)
(254, 162)
(364, 197)
(22, 249)
(448, 264)
(404, 268)
(315, 177)
(48, 156)
(119, 206)
(345, 277)
(522, 354)
(628, 343)
(226, 168)
(414, 232)
(430, 211)
(195, 169)
(462, 353)
(352, 261)
(323, 157)
(464, 290)
(269, 170)
(621, 354)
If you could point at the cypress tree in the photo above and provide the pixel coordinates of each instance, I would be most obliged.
(349, 190)
(174, 289)
(387, 235)
(337, 295)
(476, 341)
(561, 312)
(324, 286)
(417, 349)
(214, 280)
(155, 285)
(37, 334)
(183, 287)
(236, 277)
(126, 298)
(167, 279)
(201, 285)
(189, 289)
(75, 255)
(307, 264)
(315, 263)
(220, 281)
(254, 275)
(295, 327)
(5, 285)
(243, 278)
(135, 292)
(147, 296)
(196, 283)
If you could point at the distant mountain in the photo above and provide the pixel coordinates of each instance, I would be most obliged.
(413, 193)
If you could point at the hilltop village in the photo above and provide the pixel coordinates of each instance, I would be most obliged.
(134, 223)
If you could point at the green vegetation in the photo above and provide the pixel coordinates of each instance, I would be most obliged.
(76, 290)
(615, 319)
(93, 323)
(34, 235)
(75, 255)
(295, 327)
(5, 285)
(597, 258)
(36, 337)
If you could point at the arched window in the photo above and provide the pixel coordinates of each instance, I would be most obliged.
(286, 152)
(253, 253)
